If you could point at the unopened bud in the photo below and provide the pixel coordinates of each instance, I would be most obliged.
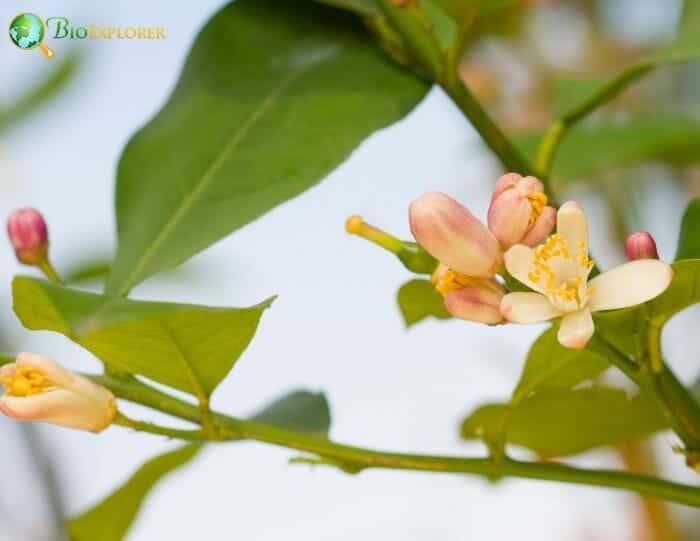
(454, 236)
(641, 245)
(479, 300)
(518, 213)
(28, 235)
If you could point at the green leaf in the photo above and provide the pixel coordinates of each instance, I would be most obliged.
(590, 150)
(596, 92)
(89, 270)
(111, 519)
(34, 98)
(689, 239)
(683, 292)
(366, 8)
(191, 348)
(549, 365)
(418, 300)
(571, 91)
(300, 411)
(686, 46)
(560, 422)
(274, 96)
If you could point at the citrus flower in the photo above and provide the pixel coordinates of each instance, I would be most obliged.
(38, 389)
(518, 213)
(558, 270)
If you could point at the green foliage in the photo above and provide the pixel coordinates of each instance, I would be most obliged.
(300, 411)
(602, 146)
(689, 237)
(575, 102)
(111, 519)
(258, 117)
(191, 348)
(34, 98)
(549, 365)
(365, 8)
(558, 422)
(546, 398)
(418, 300)
(683, 292)
(89, 270)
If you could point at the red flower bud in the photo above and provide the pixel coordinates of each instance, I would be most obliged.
(28, 235)
(641, 245)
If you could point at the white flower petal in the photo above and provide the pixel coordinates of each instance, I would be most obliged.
(576, 329)
(630, 284)
(519, 263)
(572, 225)
(524, 307)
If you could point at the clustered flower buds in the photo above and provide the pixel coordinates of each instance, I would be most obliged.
(39, 389)
(554, 267)
(28, 235)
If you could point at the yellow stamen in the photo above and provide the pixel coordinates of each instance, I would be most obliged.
(537, 201)
(447, 281)
(25, 382)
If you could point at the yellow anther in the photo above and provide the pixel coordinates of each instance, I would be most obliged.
(25, 382)
(447, 281)
(533, 277)
(537, 203)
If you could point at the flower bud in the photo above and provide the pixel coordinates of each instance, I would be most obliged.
(451, 234)
(28, 235)
(38, 389)
(518, 213)
(641, 245)
(479, 301)
(412, 255)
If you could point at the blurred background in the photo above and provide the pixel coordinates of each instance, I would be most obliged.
(336, 326)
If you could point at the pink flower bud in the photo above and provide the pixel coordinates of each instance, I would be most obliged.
(518, 213)
(38, 389)
(641, 245)
(453, 236)
(478, 302)
(28, 235)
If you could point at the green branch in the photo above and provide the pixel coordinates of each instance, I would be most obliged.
(442, 68)
(509, 155)
(559, 128)
(356, 458)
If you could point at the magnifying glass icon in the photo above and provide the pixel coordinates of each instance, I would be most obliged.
(27, 32)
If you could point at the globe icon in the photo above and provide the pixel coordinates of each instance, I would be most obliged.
(27, 32)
